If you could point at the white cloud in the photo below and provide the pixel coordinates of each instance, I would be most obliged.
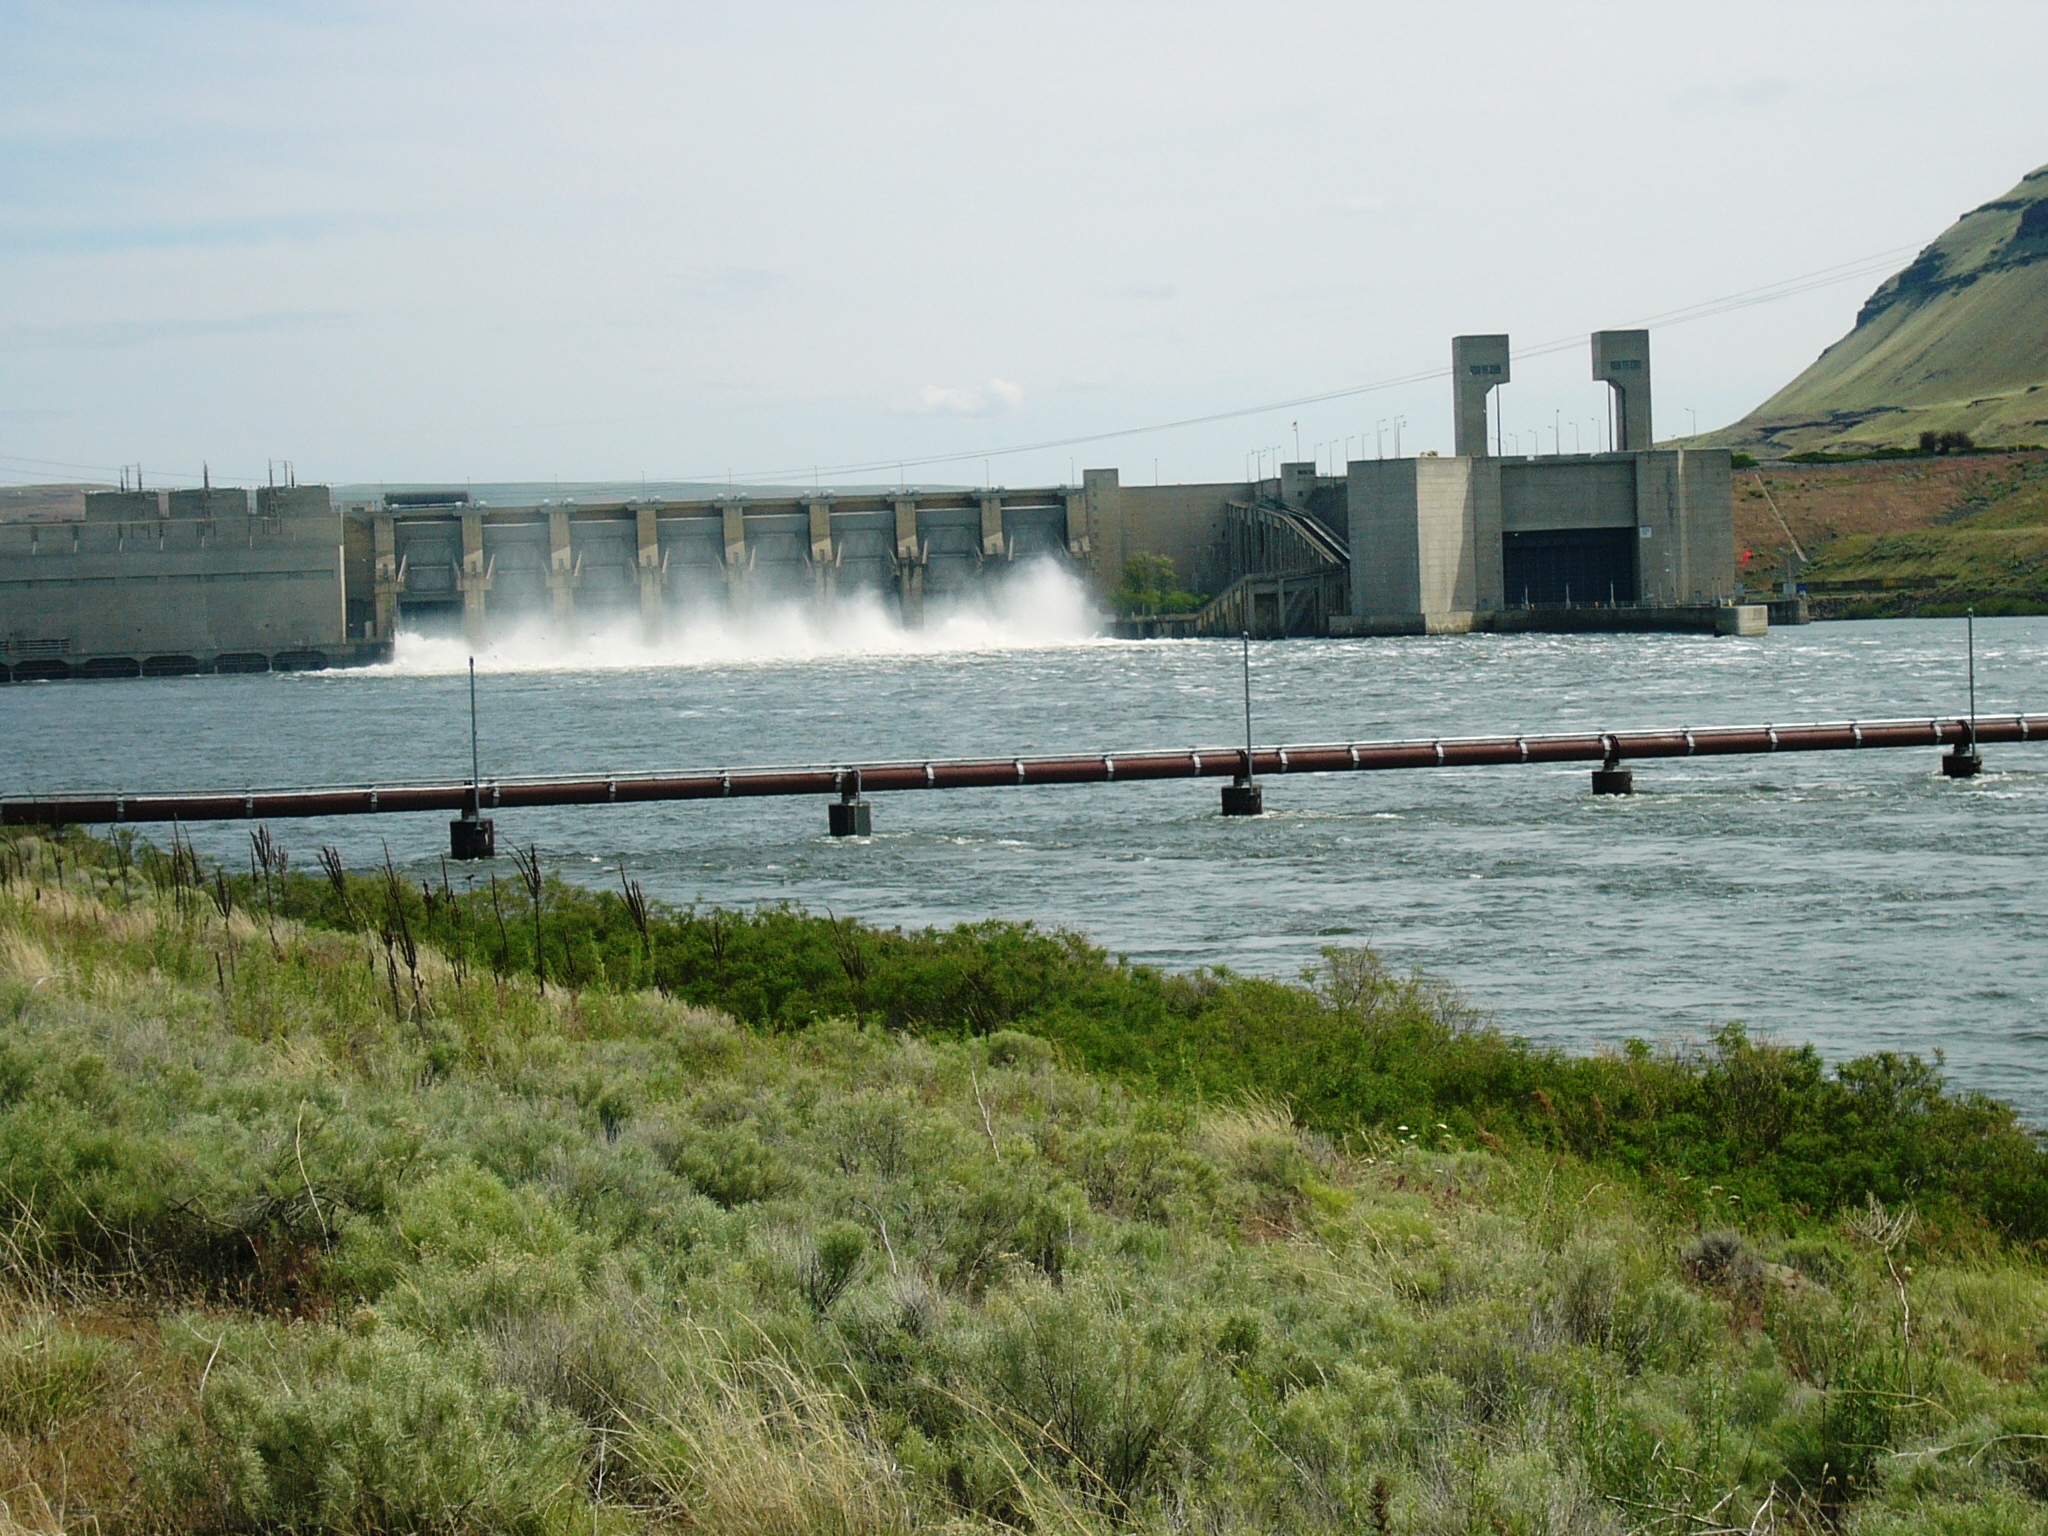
(995, 398)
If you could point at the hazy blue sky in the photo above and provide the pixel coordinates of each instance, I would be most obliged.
(605, 240)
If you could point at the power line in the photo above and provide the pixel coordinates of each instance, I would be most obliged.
(1784, 288)
(1862, 266)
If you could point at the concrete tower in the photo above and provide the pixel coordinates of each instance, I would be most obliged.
(1479, 364)
(1622, 360)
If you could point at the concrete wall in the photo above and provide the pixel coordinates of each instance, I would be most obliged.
(185, 573)
(1185, 523)
(1684, 501)
(1386, 574)
(1449, 494)
(1589, 492)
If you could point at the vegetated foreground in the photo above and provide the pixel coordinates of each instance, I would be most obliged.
(328, 1210)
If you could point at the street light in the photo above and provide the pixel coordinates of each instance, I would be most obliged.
(1379, 438)
(1399, 423)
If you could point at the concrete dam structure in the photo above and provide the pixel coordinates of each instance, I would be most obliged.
(1479, 540)
(165, 583)
(160, 583)
(441, 563)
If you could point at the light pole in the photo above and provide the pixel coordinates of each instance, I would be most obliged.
(1557, 431)
(1297, 442)
(1379, 438)
(1694, 417)
(1399, 423)
(1575, 436)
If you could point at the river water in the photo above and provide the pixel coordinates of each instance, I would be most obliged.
(1855, 900)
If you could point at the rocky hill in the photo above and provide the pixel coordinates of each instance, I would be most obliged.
(1957, 342)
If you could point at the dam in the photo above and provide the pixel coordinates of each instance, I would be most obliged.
(132, 583)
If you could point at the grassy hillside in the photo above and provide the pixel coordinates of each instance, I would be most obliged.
(1958, 341)
(314, 1227)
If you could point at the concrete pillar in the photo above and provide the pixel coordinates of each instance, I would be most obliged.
(909, 563)
(384, 569)
(1621, 359)
(648, 535)
(906, 527)
(733, 516)
(1659, 532)
(1479, 365)
(992, 545)
(1297, 483)
(563, 571)
(1098, 538)
(474, 580)
(824, 568)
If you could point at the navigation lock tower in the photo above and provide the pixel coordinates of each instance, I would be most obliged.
(1479, 365)
(1622, 360)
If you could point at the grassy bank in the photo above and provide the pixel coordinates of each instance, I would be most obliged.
(1918, 537)
(322, 1215)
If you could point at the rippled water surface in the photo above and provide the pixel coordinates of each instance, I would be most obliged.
(1857, 900)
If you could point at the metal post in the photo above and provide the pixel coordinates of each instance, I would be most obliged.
(472, 835)
(1963, 760)
(1242, 796)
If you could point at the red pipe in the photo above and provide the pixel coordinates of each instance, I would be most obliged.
(989, 773)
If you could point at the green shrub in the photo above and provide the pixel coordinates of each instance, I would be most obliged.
(369, 1436)
(728, 1164)
(1121, 1408)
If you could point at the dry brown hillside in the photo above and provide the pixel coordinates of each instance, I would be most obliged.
(1903, 536)
(1822, 502)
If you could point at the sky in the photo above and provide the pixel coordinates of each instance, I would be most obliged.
(874, 243)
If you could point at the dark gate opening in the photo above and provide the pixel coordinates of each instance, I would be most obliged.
(1569, 565)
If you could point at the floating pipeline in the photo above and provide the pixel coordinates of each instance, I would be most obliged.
(849, 781)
